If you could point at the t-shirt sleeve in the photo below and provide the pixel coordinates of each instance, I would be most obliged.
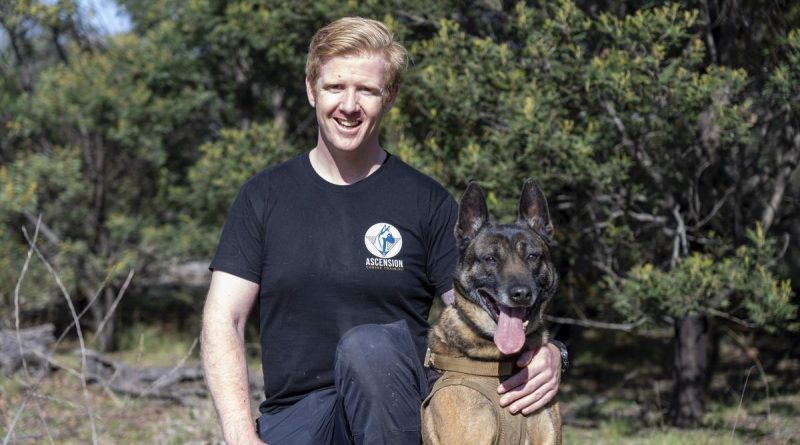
(443, 254)
(240, 249)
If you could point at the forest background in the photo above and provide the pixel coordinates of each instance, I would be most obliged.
(666, 136)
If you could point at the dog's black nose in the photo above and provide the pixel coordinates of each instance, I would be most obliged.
(520, 294)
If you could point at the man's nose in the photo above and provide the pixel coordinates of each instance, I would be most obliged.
(350, 102)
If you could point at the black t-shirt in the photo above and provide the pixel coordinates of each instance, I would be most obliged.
(330, 257)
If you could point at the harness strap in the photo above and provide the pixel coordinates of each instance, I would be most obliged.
(511, 428)
(467, 365)
(500, 439)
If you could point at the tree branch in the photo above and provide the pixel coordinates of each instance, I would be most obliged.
(627, 327)
(785, 172)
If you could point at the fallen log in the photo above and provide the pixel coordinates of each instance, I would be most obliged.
(178, 384)
(154, 382)
(29, 347)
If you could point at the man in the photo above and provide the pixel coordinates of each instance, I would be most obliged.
(345, 248)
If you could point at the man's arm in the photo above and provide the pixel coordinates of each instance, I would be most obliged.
(228, 304)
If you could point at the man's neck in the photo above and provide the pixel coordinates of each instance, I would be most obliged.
(346, 168)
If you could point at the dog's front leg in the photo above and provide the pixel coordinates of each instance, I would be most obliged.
(544, 426)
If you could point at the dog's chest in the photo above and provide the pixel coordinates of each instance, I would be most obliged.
(511, 428)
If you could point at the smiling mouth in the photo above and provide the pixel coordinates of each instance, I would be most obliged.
(348, 123)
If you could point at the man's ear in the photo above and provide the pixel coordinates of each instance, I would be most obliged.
(310, 93)
(389, 102)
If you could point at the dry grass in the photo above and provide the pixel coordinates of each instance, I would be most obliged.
(623, 411)
(57, 414)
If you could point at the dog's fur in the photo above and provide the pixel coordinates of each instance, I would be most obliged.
(500, 265)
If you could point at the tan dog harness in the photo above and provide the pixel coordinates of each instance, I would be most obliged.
(482, 377)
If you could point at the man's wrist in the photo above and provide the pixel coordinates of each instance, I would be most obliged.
(562, 349)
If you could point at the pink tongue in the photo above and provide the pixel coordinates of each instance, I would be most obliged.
(510, 335)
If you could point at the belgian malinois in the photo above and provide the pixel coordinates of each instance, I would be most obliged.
(503, 283)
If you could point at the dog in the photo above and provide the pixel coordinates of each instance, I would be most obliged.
(503, 283)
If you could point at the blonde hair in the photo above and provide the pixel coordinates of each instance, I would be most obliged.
(349, 36)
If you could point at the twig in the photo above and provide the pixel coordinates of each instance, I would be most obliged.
(658, 402)
(160, 381)
(14, 422)
(738, 408)
(725, 315)
(32, 393)
(68, 403)
(115, 303)
(86, 309)
(742, 344)
(17, 288)
(78, 330)
(53, 362)
(16, 296)
(43, 420)
(718, 205)
(42, 227)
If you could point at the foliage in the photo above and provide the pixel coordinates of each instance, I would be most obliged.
(739, 286)
(658, 133)
(212, 183)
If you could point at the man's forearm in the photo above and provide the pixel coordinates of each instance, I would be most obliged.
(225, 368)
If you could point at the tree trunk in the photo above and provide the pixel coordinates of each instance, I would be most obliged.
(690, 370)
(106, 338)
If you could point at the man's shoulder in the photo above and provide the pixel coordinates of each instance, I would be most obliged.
(412, 177)
(276, 175)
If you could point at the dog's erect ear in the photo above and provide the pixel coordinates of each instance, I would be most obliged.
(533, 209)
(472, 212)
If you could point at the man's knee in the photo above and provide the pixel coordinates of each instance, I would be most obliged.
(374, 345)
(371, 342)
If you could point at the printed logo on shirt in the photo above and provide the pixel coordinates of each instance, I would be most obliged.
(384, 241)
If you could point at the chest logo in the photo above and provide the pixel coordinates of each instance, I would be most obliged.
(383, 240)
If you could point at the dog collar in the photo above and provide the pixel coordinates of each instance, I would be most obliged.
(467, 365)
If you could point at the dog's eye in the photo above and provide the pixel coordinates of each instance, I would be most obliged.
(533, 256)
(491, 259)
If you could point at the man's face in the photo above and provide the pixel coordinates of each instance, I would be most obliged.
(348, 98)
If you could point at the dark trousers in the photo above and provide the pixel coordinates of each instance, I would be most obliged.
(379, 385)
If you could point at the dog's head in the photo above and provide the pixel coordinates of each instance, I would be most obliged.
(504, 271)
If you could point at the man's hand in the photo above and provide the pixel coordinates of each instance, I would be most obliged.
(536, 384)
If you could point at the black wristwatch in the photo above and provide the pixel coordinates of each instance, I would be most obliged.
(562, 348)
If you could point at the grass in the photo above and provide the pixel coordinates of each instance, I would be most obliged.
(145, 345)
(58, 415)
(56, 411)
(617, 392)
